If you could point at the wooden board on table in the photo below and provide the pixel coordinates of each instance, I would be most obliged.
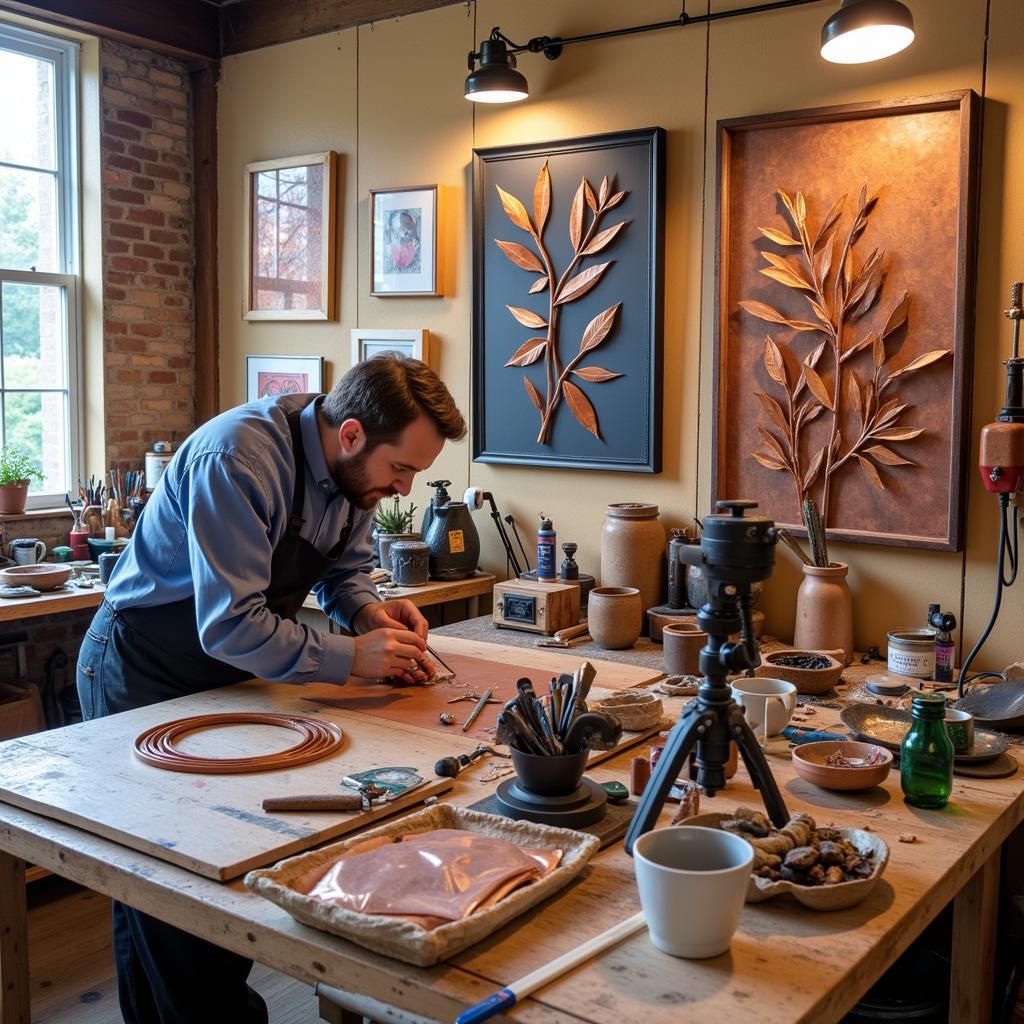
(69, 599)
(496, 670)
(87, 775)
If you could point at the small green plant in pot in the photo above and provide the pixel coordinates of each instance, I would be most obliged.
(16, 475)
(393, 523)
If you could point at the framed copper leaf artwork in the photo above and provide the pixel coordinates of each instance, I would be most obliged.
(567, 268)
(845, 294)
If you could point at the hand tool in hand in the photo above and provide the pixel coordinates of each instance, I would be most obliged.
(485, 699)
(437, 657)
(451, 766)
(518, 990)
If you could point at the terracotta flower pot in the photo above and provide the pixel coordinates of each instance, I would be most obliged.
(13, 497)
(682, 642)
(824, 611)
(615, 615)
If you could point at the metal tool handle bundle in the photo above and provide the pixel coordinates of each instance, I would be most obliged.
(560, 725)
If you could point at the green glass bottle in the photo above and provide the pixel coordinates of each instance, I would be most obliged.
(926, 755)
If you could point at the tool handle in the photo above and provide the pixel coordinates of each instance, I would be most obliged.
(572, 631)
(449, 767)
(314, 802)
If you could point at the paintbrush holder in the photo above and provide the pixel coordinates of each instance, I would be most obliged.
(550, 775)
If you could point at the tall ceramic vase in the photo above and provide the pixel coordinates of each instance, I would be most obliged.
(824, 611)
(633, 551)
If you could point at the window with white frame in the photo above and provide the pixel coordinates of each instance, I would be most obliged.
(40, 412)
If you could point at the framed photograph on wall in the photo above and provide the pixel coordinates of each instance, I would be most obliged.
(369, 342)
(845, 298)
(289, 238)
(567, 302)
(404, 241)
(268, 376)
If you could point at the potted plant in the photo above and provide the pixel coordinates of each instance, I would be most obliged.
(393, 524)
(16, 474)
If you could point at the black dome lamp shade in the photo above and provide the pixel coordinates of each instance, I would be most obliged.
(866, 30)
(496, 80)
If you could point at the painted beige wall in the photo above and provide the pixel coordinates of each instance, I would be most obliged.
(389, 99)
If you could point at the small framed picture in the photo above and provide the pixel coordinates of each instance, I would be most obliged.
(367, 343)
(269, 376)
(403, 241)
(289, 243)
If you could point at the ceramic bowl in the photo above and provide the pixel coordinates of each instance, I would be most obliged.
(810, 763)
(42, 576)
(816, 897)
(806, 680)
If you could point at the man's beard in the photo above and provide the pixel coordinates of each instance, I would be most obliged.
(353, 482)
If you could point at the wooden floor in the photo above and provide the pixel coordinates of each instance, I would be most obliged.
(72, 966)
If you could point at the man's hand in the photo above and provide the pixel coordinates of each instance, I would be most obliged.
(392, 642)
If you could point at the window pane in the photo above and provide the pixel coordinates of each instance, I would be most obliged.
(28, 220)
(27, 114)
(32, 335)
(37, 425)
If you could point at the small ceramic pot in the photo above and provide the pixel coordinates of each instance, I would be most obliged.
(682, 642)
(106, 563)
(410, 563)
(824, 611)
(553, 775)
(960, 726)
(633, 551)
(615, 615)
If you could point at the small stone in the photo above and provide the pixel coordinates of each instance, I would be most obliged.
(446, 718)
(906, 837)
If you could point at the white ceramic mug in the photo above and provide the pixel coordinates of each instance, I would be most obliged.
(778, 696)
(692, 883)
(27, 550)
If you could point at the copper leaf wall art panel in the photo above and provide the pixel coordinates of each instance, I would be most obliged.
(567, 313)
(845, 297)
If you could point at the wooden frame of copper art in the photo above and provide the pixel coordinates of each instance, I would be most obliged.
(844, 287)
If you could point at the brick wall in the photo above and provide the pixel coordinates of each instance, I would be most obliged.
(148, 252)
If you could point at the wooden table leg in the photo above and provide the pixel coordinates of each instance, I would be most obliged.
(15, 997)
(472, 607)
(975, 914)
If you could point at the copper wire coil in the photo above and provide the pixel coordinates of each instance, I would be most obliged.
(156, 746)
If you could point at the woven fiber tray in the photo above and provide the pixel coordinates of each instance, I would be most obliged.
(402, 939)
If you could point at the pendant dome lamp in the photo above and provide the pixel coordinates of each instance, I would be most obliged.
(866, 30)
(860, 31)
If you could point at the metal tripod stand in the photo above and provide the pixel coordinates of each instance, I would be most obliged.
(735, 551)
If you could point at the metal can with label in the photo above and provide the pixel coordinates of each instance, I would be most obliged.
(911, 652)
(157, 460)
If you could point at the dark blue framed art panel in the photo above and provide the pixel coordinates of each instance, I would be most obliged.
(604, 338)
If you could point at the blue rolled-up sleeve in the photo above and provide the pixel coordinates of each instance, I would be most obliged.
(226, 504)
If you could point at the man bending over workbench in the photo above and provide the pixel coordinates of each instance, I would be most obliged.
(259, 506)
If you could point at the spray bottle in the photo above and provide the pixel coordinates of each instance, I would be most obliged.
(546, 570)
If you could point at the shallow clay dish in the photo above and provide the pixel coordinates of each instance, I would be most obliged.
(42, 576)
(635, 711)
(810, 763)
(806, 680)
(816, 897)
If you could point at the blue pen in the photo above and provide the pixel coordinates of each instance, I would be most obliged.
(518, 990)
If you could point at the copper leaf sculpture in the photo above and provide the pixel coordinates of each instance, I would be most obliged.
(840, 293)
(571, 285)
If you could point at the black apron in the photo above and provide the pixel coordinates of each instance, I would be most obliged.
(168, 635)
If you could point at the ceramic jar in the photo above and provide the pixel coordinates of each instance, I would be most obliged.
(410, 563)
(682, 643)
(824, 611)
(633, 546)
(384, 542)
(615, 616)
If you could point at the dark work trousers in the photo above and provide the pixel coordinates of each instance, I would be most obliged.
(164, 975)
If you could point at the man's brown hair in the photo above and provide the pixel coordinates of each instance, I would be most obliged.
(386, 393)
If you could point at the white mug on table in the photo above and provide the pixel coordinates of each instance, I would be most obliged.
(778, 696)
(27, 550)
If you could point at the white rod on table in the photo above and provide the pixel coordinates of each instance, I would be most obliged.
(520, 989)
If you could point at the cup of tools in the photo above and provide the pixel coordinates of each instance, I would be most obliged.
(692, 883)
(550, 774)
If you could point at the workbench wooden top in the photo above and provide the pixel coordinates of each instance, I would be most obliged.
(65, 600)
(786, 963)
